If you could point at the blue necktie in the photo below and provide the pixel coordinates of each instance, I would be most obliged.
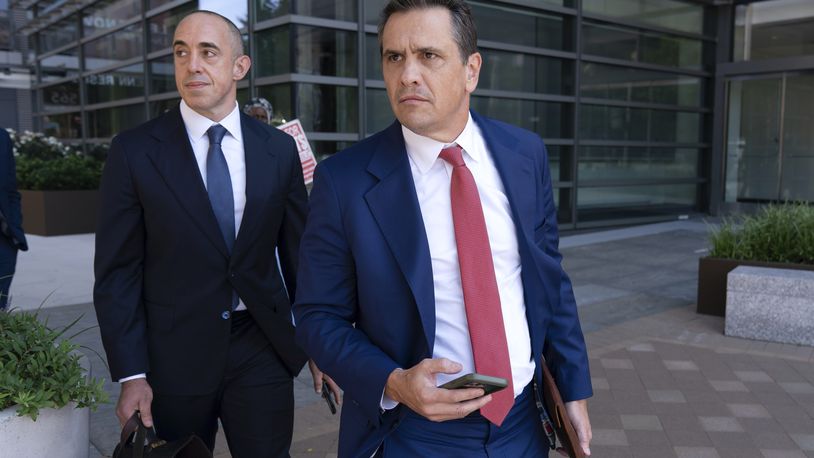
(219, 188)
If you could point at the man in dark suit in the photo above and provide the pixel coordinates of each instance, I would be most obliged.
(401, 285)
(194, 312)
(12, 237)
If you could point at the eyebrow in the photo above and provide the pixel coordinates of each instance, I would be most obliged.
(203, 44)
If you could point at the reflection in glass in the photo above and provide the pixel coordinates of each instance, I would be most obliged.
(162, 27)
(670, 14)
(798, 139)
(273, 56)
(638, 124)
(114, 48)
(108, 122)
(373, 58)
(66, 126)
(5, 30)
(630, 163)
(324, 108)
(280, 97)
(325, 51)
(60, 65)
(538, 30)
(373, 9)
(772, 29)
(615, 202)
(59, 34)
(122, 83)
(342, 10)
(157, 3)
(379, 114)
(547, 119)
(108, 14)
(639, 46)
(511, 71)
(162, 75)
(323, 149)
(267, 9)
(61, 96)
(635, 85)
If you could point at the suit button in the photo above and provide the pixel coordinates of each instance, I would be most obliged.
(232, 274)
(225, 315)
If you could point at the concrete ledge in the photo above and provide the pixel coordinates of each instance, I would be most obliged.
(770, 304)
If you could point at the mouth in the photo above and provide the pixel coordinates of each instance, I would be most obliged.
(411, 99)
(196, 85)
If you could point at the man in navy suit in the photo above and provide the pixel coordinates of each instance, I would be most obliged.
(12, 237)
(431, 251)
(194, 312)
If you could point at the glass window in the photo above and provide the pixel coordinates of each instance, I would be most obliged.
(61, 96)
(122, 83)
(273, 55)
(67, 125)
(373, 8)
(324, 108)
(157, 3)
(373, 63)
(606, 203)
(379, 114)
(60, 65)
(671, 14)
(280, 96)
(548, 119)
(323, 149)
(160, 107)
(646, 47)
(559, 161)
(778, 28)
(630, 163)
(5, 29)
(114, 48)
(108, 122)
(635, 85)
(236, 11)
(162, 75)
(59, 34)
(108, 14)
(267, 9)
(511, 71)
(162, 27)
(343, 10)
(637, 124)
(326, 52)
(538, 30)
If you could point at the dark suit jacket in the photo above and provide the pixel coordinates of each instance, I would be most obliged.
(163, 274)
(365, 304)
(9, 196)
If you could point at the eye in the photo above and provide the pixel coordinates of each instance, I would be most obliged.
(209, 53)
(393, 57)
(430, 55)
(180, 52)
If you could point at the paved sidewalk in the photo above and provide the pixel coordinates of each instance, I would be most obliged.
(667, 382)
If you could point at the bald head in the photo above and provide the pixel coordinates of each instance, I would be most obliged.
(235, 38)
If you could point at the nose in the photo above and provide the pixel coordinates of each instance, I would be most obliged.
(194, 63)
(410, 73)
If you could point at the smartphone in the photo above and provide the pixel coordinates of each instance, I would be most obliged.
(487, 383)
(326, 394)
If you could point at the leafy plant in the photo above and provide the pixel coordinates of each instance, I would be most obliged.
(778, 233)
(40, 370)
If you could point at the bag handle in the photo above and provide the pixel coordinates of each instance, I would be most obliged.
(134, 425)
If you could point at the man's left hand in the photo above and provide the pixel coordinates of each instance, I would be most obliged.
(578, 412)
(319, 376)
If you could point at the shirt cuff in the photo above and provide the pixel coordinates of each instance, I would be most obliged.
(386, 403)
(132, 377)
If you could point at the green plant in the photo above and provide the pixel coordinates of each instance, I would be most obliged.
(40, 370)
(778, 233)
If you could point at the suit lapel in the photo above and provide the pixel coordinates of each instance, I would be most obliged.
(394, 206)
(176, 162)
(261, 168)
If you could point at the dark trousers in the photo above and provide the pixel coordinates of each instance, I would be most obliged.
(520, 435)
(8, 261)
(255, 402)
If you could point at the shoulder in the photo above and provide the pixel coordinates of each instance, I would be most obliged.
(153, 128)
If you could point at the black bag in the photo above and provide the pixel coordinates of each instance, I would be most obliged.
(138, 441)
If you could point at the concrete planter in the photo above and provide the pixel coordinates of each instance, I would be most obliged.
(57, 432)
(59, 212)
(712, 274)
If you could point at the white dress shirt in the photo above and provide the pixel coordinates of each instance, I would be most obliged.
(232, 146)
(432, 177)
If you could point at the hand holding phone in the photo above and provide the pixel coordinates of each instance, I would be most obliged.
(487, 383)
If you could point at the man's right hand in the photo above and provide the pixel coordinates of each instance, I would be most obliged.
(135, 395)
(415, 387)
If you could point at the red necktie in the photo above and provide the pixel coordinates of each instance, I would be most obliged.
(481, 298)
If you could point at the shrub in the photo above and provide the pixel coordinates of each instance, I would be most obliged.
(778, 233)
(38, 370)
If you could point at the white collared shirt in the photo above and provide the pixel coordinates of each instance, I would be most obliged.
(432, 177)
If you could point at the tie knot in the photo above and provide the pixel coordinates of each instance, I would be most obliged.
(453, 155)
(216, 133)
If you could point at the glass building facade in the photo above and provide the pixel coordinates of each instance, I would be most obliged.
(624, 92)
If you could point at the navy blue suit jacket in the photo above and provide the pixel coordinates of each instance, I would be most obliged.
(9, 196)
(164, 276)
(365, 303)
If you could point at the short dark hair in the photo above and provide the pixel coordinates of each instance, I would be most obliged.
(234, 32)
(464, 31)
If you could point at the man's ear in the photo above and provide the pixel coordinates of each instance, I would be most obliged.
(473, 64)
(241, 67)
